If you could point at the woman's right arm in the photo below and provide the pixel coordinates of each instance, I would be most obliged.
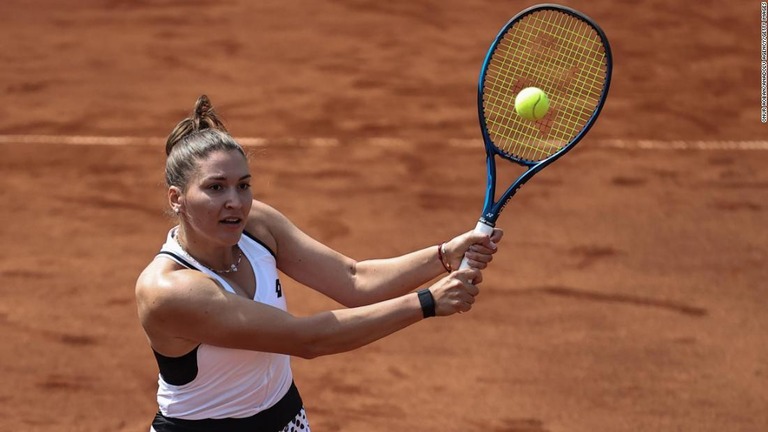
(186, 305)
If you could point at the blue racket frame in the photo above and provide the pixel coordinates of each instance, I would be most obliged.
(491, 209)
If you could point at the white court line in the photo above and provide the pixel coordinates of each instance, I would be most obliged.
(76, 140)
(653, 144)
(683, 145)
(382, 142)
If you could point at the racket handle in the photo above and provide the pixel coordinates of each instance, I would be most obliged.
(482, 228)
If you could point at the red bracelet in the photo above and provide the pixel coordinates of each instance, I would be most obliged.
(441, 256)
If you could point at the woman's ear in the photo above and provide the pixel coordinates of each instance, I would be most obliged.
(175, 199)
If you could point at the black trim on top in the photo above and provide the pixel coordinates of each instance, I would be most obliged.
(252, 237)
(178, 259)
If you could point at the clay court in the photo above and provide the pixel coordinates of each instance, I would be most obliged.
(630, 292)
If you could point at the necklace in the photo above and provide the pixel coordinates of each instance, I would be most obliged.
(232, 267)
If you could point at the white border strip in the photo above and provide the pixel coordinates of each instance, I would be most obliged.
(382, 142)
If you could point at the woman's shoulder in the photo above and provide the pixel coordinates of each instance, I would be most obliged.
(170, 299)
(263, 213)
(264, 223)
(164, 280)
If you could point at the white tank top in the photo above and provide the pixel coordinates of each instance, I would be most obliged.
(230, 383)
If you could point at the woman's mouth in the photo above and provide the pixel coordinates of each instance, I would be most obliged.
(231, 221)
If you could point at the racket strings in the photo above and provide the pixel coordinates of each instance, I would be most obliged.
(553, 144)
(556, 140)
(552, 61)
(559, 53)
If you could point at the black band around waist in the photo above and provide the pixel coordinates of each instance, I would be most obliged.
(271, 419)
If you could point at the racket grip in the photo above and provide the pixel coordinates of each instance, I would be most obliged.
(482, 228)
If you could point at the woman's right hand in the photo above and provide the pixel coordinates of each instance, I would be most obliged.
(456, 292)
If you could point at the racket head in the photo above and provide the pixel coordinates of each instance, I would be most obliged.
(564, 53)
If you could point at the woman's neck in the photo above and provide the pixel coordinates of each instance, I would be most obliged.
(219, 258)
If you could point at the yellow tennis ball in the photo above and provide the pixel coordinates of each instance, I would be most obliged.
(531, 103)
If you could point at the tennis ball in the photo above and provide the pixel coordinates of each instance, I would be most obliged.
(531, 103)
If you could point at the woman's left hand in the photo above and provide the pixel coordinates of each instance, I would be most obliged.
(478, 248)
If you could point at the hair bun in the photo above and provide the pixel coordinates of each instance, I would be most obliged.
(203, 117)
(203, 106)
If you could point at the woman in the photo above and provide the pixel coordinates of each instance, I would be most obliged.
(213, 309)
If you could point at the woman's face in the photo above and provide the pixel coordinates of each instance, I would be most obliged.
(218, 198)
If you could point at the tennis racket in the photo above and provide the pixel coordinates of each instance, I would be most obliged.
(565, 54)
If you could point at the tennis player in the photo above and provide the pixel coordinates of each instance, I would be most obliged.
(214, 311)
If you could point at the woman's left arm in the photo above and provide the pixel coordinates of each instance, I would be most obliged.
(354, 283)
(379, 279)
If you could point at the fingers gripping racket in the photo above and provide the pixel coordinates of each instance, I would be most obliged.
(565, 54)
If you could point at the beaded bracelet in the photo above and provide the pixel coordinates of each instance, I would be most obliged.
(441, 256)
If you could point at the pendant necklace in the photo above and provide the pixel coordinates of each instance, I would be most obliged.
(232, 267)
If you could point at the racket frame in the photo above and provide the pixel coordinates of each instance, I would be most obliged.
(492, 209)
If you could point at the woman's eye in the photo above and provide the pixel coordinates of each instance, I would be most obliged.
(216, 187)
(245, 186)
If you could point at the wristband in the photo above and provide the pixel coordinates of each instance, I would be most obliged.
(427, 302)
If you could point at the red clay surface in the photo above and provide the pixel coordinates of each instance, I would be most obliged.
(629, 295)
